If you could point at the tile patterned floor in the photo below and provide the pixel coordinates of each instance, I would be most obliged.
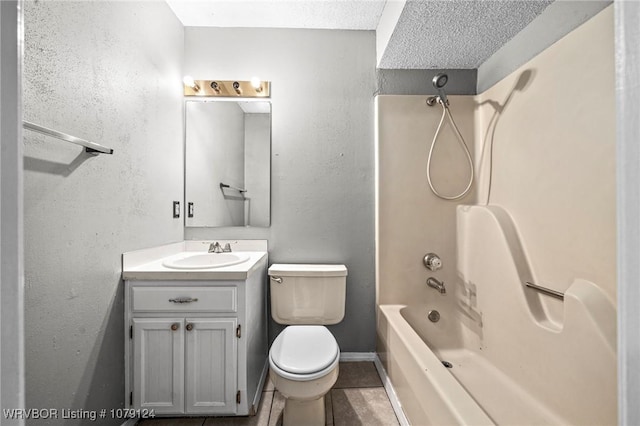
(357, 398)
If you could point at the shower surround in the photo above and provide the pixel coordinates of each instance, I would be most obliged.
(543, 210)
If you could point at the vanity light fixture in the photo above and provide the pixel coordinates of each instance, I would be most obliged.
(191, 83)
(227, 88)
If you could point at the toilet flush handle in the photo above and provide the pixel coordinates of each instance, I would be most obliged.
(277, 279)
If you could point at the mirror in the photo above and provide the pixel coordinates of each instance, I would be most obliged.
(227, 163)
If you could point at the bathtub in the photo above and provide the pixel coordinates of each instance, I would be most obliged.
(518, 356)
(472, 392)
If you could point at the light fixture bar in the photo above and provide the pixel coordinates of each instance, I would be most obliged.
(228, 88)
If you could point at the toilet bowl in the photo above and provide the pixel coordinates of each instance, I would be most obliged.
(304, 357)
(303, 361)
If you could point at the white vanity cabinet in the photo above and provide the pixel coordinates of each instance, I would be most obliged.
(185, 365)
(196, 347)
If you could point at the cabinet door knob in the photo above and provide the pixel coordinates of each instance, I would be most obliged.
(175, 326)
(189, 327)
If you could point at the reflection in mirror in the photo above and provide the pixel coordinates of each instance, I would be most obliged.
(227, 163)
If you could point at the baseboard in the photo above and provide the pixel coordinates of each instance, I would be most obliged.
(391, 393)
(357, 356)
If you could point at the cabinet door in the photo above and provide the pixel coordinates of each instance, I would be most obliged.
(211, 373)
(158, 364)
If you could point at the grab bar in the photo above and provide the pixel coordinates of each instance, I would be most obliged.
(224, 185)
(544, 290)
(90, 147)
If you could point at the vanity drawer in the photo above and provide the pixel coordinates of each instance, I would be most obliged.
(184, 299)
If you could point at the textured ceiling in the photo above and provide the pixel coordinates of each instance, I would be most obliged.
(312, 14)
(428, 34)
(455, 34)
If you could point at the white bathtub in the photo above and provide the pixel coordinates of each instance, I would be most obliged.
(472, 392)
(519, 357)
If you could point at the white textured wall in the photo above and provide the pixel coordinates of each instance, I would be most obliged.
(109, 72)
(322, 188)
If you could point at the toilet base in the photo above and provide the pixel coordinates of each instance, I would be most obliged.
(304, 412)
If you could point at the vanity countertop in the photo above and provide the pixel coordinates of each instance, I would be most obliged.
(147, 264)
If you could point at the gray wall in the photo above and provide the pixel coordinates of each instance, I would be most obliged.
(322, 187)
(627, 15)
(11, 214)
(109, 72)
(419, 82)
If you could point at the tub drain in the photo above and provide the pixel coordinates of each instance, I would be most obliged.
(447, 364)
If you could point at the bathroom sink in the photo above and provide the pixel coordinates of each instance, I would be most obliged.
(205, 260)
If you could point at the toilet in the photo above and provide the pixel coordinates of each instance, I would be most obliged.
(303, 359)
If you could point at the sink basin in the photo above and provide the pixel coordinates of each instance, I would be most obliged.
(205, 260)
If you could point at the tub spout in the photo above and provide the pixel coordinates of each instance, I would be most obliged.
(438, 285)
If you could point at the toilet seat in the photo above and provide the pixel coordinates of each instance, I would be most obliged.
(303, 352)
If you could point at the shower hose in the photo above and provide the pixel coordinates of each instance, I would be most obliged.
(447, 113)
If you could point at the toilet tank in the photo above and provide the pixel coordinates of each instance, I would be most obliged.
(307, 294)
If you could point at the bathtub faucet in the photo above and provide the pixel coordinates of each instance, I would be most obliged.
(438, 285)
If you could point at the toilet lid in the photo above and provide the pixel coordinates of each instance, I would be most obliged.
(304, 349)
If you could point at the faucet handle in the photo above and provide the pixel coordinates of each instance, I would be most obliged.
(227, 248)
(432, 261)
(215, 248)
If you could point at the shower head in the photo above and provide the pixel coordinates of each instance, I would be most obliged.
(439, 81)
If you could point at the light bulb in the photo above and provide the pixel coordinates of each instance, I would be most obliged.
(256, 84)
(190, 82)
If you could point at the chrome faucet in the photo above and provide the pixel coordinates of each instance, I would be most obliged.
(215, 248)
(438, 285)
